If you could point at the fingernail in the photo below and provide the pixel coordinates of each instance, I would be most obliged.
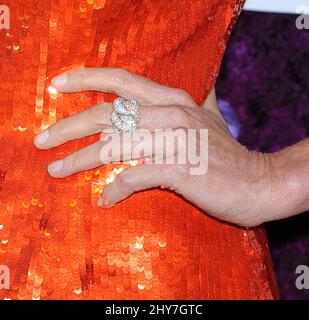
(100, 202)
(60, 81)
(42, 137)
(103, 202)
(55, 166)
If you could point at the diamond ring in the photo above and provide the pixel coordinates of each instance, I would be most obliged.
(126, 115)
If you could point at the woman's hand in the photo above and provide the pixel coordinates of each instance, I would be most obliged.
(236, 184)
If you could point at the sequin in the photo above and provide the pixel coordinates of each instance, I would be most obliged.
(154, 245)
(53, 93)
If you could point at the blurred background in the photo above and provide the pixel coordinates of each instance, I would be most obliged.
(264, 78)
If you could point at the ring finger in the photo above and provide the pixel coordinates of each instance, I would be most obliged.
(97, 119)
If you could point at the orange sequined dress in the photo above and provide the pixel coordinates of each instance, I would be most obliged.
(56, 242)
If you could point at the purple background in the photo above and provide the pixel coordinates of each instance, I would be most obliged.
(265, 78)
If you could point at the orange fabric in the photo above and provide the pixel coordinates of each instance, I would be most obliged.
(155, 245)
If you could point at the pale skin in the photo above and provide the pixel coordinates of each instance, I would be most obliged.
(241, 187)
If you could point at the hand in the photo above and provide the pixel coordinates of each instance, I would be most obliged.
(232, 189)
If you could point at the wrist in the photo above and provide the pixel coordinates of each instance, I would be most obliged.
(260, 189)
(278, 185)
(291, 181)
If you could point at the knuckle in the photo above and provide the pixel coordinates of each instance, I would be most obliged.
(98, 114)
(120, 73)
(179, 114)
(126, 179)
(80, 77)
(182, 97)
(73, 161)
(61, 130)
(180, 171)
(176, 174)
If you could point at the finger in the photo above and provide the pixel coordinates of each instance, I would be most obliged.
(132, 180)
(112, 148)
(98, 118)
(85, 123)
(122, 83)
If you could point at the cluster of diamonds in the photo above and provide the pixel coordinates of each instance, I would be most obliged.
(126, 115)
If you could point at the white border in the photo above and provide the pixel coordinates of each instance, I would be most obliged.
(279, 6)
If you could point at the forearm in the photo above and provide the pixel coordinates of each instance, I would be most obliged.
(285, 191)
